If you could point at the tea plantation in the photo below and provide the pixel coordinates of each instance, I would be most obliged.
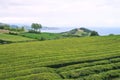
(88, 58)
(42, 36)
(13, 38)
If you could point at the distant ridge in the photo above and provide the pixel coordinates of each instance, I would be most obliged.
(11, 25)
(2, 24)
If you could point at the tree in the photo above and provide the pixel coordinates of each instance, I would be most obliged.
(39, 27)
(33, 26)
(94, 33)
(36, 27)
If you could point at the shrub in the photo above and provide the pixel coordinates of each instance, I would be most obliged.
(94, 33)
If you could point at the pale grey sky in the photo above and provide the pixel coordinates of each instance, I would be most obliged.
(97, 13)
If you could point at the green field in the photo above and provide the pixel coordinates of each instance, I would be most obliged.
(13, 38)
(43, 35)
(88, 58)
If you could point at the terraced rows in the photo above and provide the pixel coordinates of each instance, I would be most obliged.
(90, 58)
(13, 38)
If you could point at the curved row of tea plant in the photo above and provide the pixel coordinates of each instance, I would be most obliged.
(108, 75)
(90, 70)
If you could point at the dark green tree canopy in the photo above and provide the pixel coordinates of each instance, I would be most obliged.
(94, 33)
(36, 27)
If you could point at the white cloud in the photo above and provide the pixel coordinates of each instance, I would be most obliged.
(62, 12)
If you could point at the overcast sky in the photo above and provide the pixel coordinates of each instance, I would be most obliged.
(97, 13)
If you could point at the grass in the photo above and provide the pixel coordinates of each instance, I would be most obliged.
(89, 58)
(13, 38)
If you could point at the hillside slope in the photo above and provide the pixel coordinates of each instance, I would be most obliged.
(7, 38)
(89, 58)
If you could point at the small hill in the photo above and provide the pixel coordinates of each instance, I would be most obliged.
(77, 32)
